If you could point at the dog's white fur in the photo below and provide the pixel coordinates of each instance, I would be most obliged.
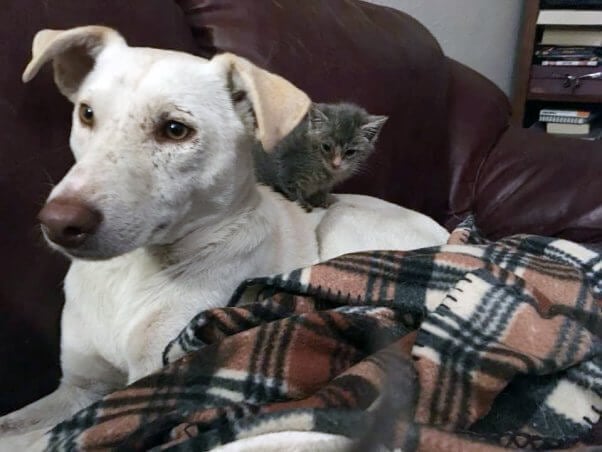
(183, 221)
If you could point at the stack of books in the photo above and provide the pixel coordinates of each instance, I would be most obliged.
(570, 38)
(547, 55)
(571, 122)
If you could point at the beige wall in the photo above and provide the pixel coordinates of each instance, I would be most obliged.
(479, 33)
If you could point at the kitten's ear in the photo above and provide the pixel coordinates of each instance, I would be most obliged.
(317, 117)
(372, 128)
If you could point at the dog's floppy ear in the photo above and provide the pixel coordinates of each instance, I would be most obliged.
(72, 52)
(277, 105)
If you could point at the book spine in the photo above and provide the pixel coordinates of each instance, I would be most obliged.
(569, 63)
(562, 120)
(565, 113)
(571, 129)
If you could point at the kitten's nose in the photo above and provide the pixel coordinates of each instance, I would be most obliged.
(336, 162)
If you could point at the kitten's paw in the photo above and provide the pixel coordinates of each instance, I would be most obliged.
(306, 206)
(328, 201)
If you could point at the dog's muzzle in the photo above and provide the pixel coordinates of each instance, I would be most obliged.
(68, 222)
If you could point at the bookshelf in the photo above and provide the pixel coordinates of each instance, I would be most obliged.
(537, 87)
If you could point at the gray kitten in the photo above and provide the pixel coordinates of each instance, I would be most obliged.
(326, 148)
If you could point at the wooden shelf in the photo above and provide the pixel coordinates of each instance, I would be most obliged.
(525, 56)
(526, 101)
(577, 98)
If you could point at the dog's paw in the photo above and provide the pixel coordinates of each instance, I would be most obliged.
(33, 441)
(10, 426)
(7, 427)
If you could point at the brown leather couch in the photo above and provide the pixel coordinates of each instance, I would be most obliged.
(447, 149)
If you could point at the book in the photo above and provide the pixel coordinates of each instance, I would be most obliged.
(568, 129)
(555, 52)
(590, 63)
(566, 116)
(569, 17)
(594, 135)
(561, 36)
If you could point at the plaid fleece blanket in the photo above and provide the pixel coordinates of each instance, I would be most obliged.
(473, 345)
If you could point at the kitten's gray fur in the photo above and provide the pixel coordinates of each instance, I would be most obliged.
(303, 165)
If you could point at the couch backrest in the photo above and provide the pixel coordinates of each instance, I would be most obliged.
(478, 115)
(349, 50)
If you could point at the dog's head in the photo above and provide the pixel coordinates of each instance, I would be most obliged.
(160, 139)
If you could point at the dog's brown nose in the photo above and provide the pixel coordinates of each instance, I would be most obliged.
(68, 222)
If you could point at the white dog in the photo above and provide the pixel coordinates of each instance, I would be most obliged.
(161, 213)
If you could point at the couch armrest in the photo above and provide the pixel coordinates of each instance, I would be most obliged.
(536, 183)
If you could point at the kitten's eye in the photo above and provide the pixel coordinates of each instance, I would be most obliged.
(86, 114)
(326, 147)
(350, 152)
(175, 130)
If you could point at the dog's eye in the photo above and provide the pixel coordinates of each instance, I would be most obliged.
(175, 130)
(86, 114)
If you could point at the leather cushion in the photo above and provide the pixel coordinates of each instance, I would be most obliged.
(540, 184)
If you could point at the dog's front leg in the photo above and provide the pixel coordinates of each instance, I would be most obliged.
(48, 411)
(44, 413)
(86, 378)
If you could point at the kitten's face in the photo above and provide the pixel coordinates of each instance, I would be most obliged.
(340, 157)
(344, 135)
